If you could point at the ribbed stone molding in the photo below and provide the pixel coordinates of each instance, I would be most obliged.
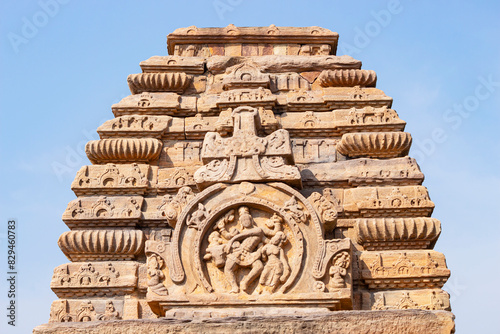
(158, 82)
(347, 78)
(102, 245)
(123, 150)
(397, 233)
(375, 144)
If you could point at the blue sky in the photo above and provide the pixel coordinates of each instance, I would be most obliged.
(63, 66)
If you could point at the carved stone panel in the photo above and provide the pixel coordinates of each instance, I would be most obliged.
(403, 270)
(103, 211)
(245, 156)
(312, 150)
(367, 119)
(94, 279)
(175, 178)
(344, 98)
(143, 126)
(428, 299)
(235, 244)
(112, 179)
(156, 104)
(166, 209)
(177, 153)
(84, 310)
(363, 171)
(406, 201)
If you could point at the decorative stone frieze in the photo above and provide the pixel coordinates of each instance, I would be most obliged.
(112, 179)
(94, 279)
(403, 270)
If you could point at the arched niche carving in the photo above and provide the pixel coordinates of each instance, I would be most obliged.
(257, 243)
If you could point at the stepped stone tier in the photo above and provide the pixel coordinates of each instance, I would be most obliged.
(251, 174)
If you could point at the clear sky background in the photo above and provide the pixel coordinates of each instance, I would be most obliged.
(63, 67)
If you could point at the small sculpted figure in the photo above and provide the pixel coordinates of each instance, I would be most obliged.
(243, 251)
(156, 275)
(276, 268)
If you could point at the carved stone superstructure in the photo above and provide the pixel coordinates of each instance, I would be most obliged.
(251, 169)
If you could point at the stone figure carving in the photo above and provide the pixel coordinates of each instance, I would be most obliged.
(156, 276)
(258, 248)
(110, 313)
(338, 270)
(198, 217)
(276, 268)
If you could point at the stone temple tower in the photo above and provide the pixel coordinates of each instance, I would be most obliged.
(255, 179)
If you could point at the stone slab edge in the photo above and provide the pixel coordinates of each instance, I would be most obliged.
(341, 322)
